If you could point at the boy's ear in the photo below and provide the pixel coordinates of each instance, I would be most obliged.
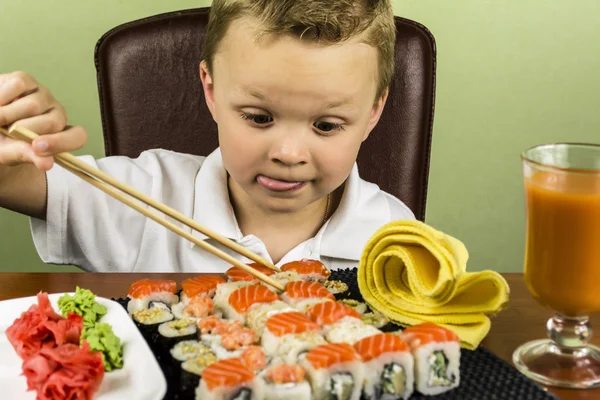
(209, 89)
(376, 113)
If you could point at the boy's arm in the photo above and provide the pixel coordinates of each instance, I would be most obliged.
(23, 189)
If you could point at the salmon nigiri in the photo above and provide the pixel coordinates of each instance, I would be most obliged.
(200, 285)
(226, 379)
(436, 351)
(335, 371)
(313, 270)
(428, 332)
(236, 274)
(389, 366)
(329, 312)
(304, 294)
(289, 323)
(143, 292)
(241, 300)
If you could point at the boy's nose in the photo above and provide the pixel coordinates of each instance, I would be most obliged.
(289, 151)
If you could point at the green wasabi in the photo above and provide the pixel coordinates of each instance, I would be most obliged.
(83, 303)
(102, 338)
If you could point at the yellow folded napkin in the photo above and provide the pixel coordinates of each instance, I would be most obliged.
(412, 273)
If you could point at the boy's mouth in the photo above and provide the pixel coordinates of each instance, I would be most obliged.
(277, 185)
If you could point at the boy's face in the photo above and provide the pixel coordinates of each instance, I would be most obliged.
(291, 115)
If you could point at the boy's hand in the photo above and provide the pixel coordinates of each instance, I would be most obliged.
(26, 103)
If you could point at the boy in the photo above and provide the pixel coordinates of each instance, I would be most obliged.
(295, 87)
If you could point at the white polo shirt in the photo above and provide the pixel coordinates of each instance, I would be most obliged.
(87, 228)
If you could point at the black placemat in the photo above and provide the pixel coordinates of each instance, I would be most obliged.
(483, 375)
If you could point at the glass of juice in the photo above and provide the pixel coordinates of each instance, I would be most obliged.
(562, 261)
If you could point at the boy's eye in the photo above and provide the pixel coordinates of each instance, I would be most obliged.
(327, 127)
(257, 119)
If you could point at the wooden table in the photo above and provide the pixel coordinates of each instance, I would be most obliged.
(524, 319)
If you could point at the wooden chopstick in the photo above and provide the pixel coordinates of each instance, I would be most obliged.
(96, 178)
(27, 135)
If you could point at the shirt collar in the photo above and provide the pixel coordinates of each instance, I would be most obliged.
(212, 207)
(362, 210)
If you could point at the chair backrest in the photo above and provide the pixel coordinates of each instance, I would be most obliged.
(151, 97)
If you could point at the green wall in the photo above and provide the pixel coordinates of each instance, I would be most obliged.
(511, 74)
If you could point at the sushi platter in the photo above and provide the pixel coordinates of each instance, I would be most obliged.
(234, 337)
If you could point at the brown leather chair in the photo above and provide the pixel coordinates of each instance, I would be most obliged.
(151, 97)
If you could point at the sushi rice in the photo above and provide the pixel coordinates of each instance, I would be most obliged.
(291, 347)
(189, 348)
(288, 386)
(348, 330)
(359, 306)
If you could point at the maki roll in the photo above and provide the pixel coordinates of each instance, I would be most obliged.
(336, 287)
(258, 315)
(188, 349)
(375, 319)
(292, 347)
(311, 270)
(205, 285)
(227, 379)
(175, 331)
(197, 307)
(254, 358)
(192, 368)
(281, 325)
(348, 330)
(389, 367)
(224, 290)
(236, 274)
(286, 277)
(226, 338)
(241, 300)
(304, 294)
(142, 292)
(335, 371)
(148, 319)
(436, 351)
(284, 381)
(329, 312)
(359, 306)
(198, 291)
(199, 362)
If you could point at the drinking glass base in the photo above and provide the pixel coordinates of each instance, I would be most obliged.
(548, 364)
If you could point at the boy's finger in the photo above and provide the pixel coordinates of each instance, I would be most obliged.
(71, 139)
(51, 122)
(42, 162)
(13, 152)
(25, 107)
(13, 86)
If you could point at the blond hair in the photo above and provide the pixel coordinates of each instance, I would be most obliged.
(321, 21)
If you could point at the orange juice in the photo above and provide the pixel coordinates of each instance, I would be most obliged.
(562, 255)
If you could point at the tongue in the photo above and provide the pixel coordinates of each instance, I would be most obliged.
(276, 185)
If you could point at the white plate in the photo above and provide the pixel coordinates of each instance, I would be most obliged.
(140, 377)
